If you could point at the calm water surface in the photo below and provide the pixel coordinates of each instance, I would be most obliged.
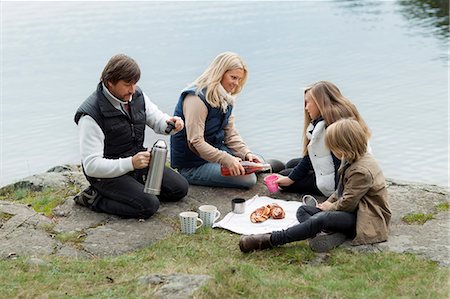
(388, 57)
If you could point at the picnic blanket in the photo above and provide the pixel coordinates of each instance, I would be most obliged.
(241, 224)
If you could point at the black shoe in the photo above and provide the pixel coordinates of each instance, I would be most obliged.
(324, 242)
(86, 197)
(276, 165)
(255, 242)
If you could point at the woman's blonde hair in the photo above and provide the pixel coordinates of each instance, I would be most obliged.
(347, 139)
(332, 106)
(211, 77)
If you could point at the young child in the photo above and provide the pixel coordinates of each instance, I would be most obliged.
(358, 209)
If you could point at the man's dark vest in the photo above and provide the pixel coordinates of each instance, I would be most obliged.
(180, 154)
(124, 135)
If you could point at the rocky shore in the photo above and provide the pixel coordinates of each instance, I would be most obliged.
(23, 232)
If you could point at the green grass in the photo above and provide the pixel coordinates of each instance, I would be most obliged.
(290, 271)
(443, 206)
(41, 201)
(421, 218)
(417, 218)
(5, 216)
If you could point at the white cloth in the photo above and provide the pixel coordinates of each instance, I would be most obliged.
(241, 224)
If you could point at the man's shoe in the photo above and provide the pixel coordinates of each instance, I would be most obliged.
(324, 242)
(86, 197)
(255, 242)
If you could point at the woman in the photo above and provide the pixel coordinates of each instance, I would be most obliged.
(316, 173)
(359, 209)
(210, 138)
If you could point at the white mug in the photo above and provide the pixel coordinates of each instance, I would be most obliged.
(208, 214)
(309, 200)
(189, 221)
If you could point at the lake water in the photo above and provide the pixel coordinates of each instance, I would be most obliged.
(389, 57)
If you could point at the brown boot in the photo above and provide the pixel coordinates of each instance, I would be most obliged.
(255, 242)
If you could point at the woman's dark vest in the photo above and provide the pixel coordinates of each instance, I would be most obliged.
(124, 135)
(180, 154)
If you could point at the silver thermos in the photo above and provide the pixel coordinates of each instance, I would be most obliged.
(156, 168)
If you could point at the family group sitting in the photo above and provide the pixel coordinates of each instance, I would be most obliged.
(336, 160)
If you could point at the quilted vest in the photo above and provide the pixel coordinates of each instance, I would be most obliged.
(124, 135)
(180, 154)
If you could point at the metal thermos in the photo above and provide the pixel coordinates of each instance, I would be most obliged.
(156, 168)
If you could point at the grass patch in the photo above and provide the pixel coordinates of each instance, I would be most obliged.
(289, 271)
(421, 218)
(443, 206)
(418, 218)
(71, 237)
(5, 216)
(41, 201)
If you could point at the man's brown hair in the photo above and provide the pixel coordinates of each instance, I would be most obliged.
(121, 67)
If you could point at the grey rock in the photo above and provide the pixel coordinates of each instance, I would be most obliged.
(174, 286)
(27, 233)
(151, 279)
(36, 261)
(124, 235)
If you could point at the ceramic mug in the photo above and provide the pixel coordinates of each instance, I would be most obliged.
(189, 221)
(309, 200)
(208, 214)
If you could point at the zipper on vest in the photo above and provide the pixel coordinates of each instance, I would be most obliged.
(132, 131)
(133, 135)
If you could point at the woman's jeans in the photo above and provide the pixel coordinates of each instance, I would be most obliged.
(208, 174)
(313, 221)
(124, 196)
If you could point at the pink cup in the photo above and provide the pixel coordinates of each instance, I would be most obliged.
(271, 183)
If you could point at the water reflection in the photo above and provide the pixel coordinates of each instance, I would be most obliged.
(368, 7)
(424, 17)
(428, 14)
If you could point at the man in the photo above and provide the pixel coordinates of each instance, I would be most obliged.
(112, 122)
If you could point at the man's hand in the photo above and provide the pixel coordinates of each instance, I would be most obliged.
(141, 160)
(179, 123)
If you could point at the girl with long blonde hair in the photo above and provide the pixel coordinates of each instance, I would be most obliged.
(316, 172)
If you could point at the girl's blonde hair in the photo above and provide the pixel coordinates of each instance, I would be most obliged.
(211, 77)
(332, 106)
(347, 139)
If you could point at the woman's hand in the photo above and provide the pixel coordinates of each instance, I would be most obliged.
(325, 206)
(236, 167)
(252, 158)
(141, 160)
(284, 180)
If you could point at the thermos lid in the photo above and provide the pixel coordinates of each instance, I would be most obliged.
(160, 143)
